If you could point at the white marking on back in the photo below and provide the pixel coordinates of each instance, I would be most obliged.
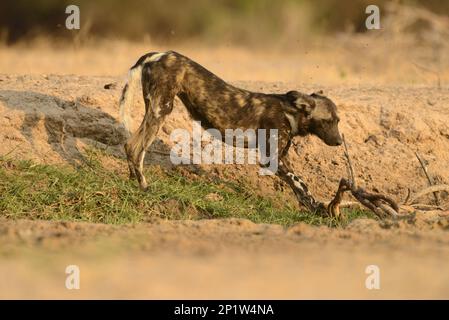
(155, 57)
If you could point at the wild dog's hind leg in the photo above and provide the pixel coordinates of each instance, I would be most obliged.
(139, 142)
(145, 91)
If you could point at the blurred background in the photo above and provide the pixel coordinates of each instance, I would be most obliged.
(270, 40)
(242, 22)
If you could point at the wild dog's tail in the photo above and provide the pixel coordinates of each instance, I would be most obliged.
(133, 83)
(127, 98)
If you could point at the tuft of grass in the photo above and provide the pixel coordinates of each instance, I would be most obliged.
(94, 193)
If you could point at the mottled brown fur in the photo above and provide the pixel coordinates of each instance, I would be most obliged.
(221, 106)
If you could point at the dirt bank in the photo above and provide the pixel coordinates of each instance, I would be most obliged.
(50, 118)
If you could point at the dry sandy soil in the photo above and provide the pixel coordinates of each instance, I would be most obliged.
(389, 110)
(231, 259)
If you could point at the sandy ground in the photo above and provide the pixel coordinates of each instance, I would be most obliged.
(52, 104)
(228, 259)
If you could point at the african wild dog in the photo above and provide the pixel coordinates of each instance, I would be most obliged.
(220, 105)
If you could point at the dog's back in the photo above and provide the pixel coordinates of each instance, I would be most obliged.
(208, 98)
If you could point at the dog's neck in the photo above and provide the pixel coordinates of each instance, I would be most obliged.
(299, 124)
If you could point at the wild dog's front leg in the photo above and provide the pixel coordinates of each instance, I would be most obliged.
(285, 172)
(299, 188)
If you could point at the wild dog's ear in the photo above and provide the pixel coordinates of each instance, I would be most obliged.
(318, 93)
(301, 101)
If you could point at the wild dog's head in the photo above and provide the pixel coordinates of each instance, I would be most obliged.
(320, 116)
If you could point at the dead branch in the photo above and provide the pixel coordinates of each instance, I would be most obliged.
(380, 204)
(429, 178)
(407, 198)
(419, 206)
(424, 207)
(349, 164)
(431, 189)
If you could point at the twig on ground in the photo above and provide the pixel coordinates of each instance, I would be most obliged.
(424, 207)
(349, 164)
(409, 192)
(431, 189)
(429, 178)
(380, 204)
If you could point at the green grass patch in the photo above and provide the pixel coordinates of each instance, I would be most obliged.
(94, 193)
